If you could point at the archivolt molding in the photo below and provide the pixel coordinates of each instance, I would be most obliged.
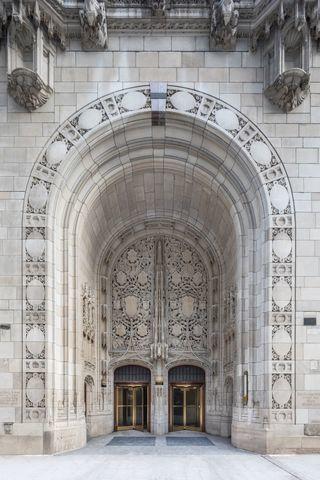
(77, 135)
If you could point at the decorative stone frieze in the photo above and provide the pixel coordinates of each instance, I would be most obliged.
(93, 20)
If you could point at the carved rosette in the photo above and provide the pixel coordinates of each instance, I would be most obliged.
(27, 88)
(289, 89)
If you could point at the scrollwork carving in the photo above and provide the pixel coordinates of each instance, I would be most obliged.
(132, 296)
(186, 297)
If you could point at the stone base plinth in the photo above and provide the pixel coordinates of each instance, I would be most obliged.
(65, 437)
(274, 439)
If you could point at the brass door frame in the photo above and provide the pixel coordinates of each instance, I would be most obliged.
(116, 403)
(185, 386)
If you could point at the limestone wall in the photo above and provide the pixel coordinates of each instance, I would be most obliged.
(237, 78)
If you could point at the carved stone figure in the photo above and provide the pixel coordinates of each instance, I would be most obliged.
(28, 89)
(93, 22)
(224, 23)
(159, 7)
(289, 89)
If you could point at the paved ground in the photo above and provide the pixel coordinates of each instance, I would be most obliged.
(213, 459)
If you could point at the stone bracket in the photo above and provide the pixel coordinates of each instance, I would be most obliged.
(289, 89)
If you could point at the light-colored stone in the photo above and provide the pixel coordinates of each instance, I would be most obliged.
(227, 119)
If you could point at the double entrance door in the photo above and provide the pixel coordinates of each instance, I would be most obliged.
(132, 407)
(186, 404)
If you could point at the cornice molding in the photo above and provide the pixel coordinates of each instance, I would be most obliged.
(254, 19)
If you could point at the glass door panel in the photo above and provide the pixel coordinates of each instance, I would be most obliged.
(178, 407)
(186, 407)
(124, 407)
(131, 407)
(192, 407)
(138, 403)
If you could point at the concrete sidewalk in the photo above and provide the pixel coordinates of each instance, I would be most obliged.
(100, 461)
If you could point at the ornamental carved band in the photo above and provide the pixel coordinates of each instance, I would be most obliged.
(238, 130)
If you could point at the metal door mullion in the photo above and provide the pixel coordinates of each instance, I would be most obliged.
(133, 407)
(184, 408)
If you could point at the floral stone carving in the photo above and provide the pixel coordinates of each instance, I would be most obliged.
(93, 22)
(289, 89)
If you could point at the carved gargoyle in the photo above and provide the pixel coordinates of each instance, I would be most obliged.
(289, 89)
(159, 7)
(224, 23)
(93, 20)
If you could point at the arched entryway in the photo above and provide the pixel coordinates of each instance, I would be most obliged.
(112, 176)
(132, 398)
(186, 398)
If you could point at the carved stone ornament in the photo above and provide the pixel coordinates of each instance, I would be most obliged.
(93, 22)
(27, 88)
(224, 23)
(88, 300)
(289, 89)
(159, 7)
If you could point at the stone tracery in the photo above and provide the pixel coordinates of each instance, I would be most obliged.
(134, 305)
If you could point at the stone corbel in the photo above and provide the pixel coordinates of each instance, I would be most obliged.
(289, 89)
(93, 21)
(28, 89)
(31, 39)
(288, 83)
(223, 23)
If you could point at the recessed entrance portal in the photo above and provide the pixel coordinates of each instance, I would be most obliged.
(186, 398)
(132, 398)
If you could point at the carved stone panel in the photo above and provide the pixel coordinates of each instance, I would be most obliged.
(132, 297)
(186, 297)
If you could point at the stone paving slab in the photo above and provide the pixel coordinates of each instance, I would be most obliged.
(221, 462)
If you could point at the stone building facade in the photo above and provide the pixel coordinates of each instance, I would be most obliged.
(160, 221)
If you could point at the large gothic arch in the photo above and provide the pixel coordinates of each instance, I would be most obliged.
(106, 154)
